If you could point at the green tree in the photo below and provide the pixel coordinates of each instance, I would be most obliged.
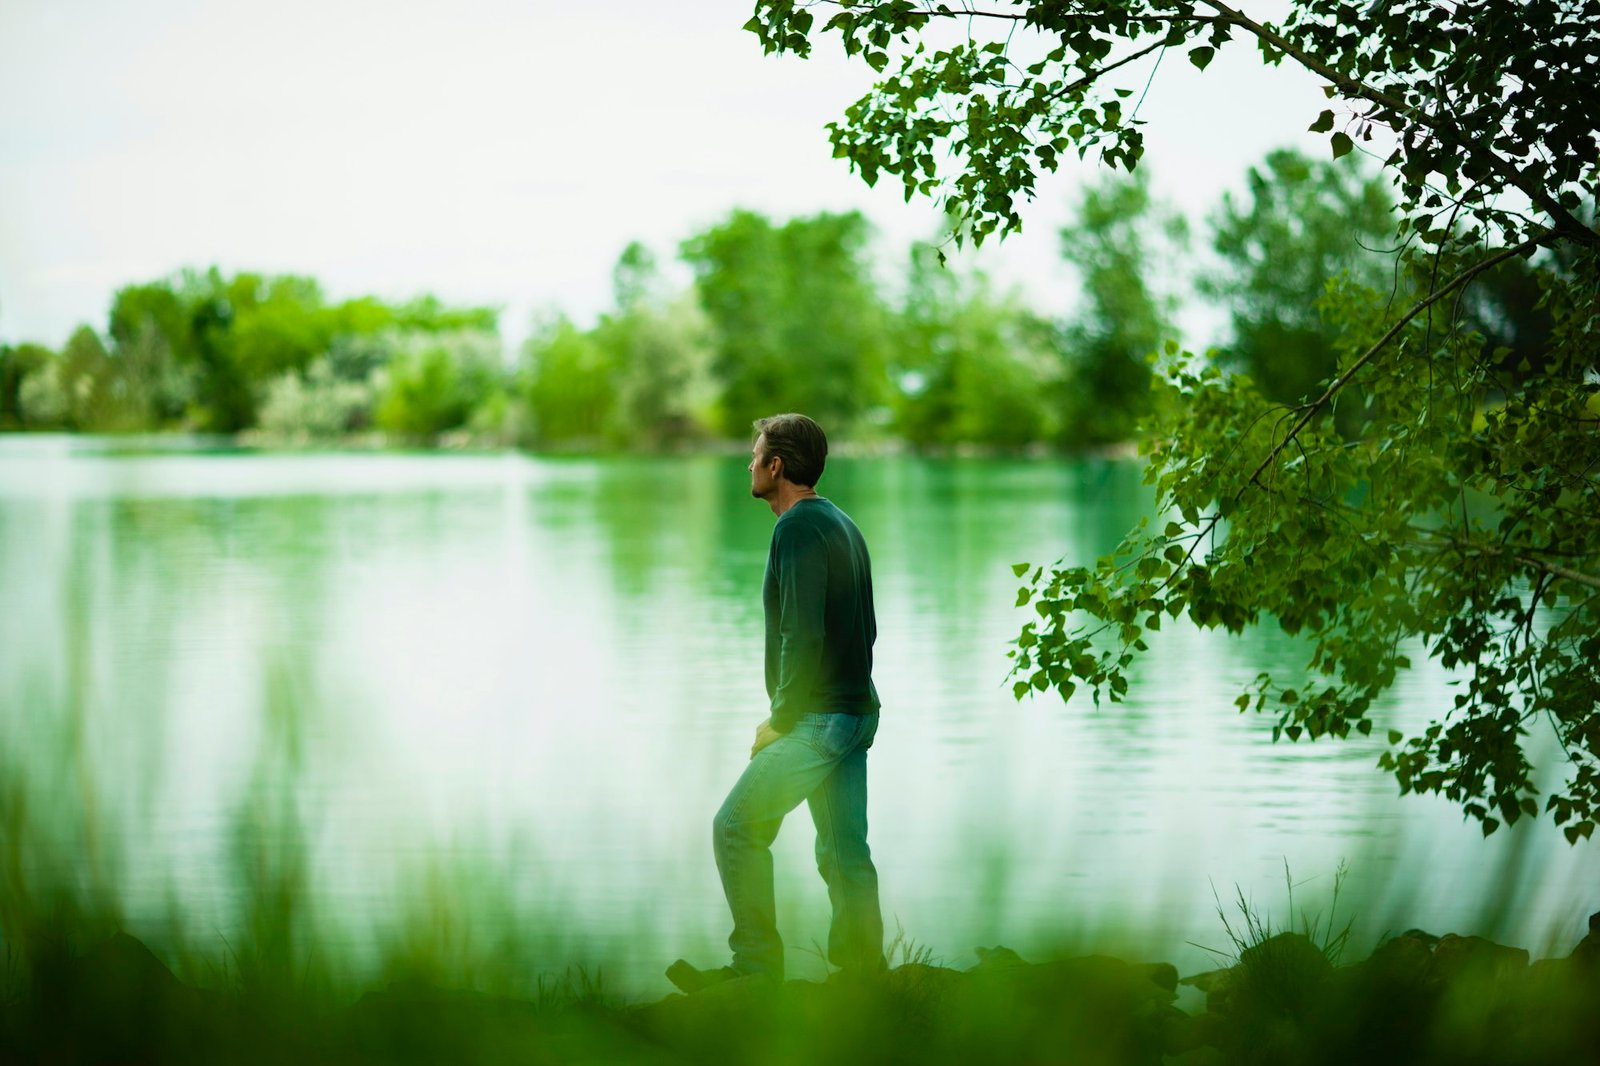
(1304, 222)
(315, 405)
(568, 384)
(1110, 344)
(16, 365)
(185, 323)
(796, 318)
(967, 362)
(658, 354)
(90, 389)
(279, 324)
(1462, 521)
(206, 348)
(435, 381)
(152, 333)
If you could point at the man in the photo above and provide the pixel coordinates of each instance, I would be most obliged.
(820, 629)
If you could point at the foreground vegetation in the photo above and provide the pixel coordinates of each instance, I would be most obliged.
(1417, 999)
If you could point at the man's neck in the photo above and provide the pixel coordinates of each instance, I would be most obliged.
(788, 495)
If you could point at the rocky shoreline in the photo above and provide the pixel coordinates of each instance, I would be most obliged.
(1416, 999)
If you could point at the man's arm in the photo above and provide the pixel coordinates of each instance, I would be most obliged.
(802, 572)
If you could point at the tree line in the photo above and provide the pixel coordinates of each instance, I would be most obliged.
(781, 314)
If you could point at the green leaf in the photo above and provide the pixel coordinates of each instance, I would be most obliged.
(1323, 124)
(1201, 57)
(1020, 689)
(1019, 568)
(1341, 145)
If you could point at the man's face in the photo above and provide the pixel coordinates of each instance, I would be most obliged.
(763, 471)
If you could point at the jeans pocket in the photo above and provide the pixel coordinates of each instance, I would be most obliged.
(840, 734)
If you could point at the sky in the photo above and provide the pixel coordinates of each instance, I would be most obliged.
(490, 152)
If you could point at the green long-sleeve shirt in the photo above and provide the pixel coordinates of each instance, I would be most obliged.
(820, 626)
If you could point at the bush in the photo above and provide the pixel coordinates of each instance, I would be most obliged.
(317, 405)
(433, 382)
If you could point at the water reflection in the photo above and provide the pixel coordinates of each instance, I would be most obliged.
(444, 709)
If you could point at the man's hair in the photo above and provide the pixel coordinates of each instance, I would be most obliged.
(799, 442)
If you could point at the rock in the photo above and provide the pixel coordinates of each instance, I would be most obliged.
(1104, 1009)
(1199, 1056)
(1455, 957)
(1282, 976)
(116, 1003)
(918, 981)
(1181, 1032)
(996, 958)
(1587, 952)
(1404, 959)
(1161, 974)
(710, 1008)
(1218, 987)
(1289, 955)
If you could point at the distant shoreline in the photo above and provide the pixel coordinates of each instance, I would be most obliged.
(259, 442)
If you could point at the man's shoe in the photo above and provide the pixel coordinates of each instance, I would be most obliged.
(691, 980)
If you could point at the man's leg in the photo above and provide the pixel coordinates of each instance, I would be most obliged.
(839, 811)
(774, 783)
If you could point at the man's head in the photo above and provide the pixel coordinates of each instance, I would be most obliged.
(789, 447)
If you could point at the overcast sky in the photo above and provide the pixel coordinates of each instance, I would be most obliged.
(491, 152)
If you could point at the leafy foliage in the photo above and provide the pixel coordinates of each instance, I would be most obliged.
(1109, 346)
(316, 405)
(797, 321)
(1461, 519)
(1305, 222)
(967, 361)
(16, 365)
(435, 381)
(204, 350)
(569, 386)
(659, 349)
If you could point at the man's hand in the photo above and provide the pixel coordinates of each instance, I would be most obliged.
(765, 735)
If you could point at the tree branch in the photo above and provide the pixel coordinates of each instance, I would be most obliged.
(1066, 16)
(1310, 409)
(1563, 220)
(1554, 570)
(1094, 75)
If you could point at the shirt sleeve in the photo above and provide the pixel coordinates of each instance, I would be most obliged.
(802, 559)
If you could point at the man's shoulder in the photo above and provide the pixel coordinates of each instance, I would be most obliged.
(820, 513)
(818, 520)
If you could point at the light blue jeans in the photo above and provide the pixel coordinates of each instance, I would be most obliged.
(823, 761)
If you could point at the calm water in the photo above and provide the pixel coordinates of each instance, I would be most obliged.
(500, 691)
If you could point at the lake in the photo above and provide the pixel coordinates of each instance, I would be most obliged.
(494, 697)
